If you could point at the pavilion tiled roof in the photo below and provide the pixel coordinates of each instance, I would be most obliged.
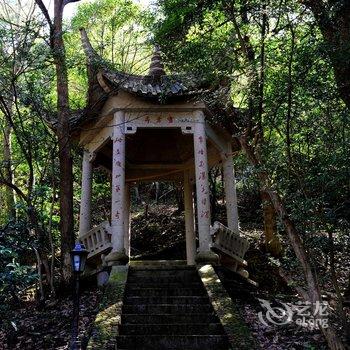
(148, 86)
(156, 85)
(103, 82)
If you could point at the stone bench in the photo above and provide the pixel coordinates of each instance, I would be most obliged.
(98, 240)
(231, 246)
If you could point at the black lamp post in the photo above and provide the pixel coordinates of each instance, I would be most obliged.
(78, 256)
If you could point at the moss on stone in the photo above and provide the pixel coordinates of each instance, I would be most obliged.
(105, 329)
(236, 329)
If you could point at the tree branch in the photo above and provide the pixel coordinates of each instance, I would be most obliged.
(45, 13)
(66, 2)
(19, 192)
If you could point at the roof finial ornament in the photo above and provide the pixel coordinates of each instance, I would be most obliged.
(156, 67)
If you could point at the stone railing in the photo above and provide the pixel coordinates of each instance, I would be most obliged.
(230, 243)
(98, 239)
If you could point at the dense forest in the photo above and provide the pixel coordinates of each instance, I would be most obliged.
(274, 73)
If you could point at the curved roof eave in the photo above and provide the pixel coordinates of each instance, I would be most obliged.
(156, 86)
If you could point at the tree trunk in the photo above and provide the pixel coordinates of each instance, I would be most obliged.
(63, 134)
(137, 194)
(52, 245)
(335, 27)
(8, 173)
(64, 145)
(41, 251)
(66, 205)
(313, 292)
(347, 294)
(157, 187)
(40, 279)
(272, 242)
(179, 197)
(290, 99)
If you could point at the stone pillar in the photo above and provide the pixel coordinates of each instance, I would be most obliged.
(202, 190)
(230, 190)
(86, 189)
(189, 220)
(117, 255)
(127, 220)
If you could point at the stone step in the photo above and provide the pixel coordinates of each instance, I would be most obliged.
(163, 273)
(171, 329)
(166, 300)
(160, 265)
(174, 342)
(133, 285)
(168, 318)
(154, 292)
(164, 279)
(167, 309)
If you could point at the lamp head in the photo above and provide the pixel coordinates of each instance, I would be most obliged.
(78, 256)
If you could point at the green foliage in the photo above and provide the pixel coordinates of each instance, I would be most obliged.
(305, 124)
(27, 102)
(196, 38)
(16, 271)
(116, 29)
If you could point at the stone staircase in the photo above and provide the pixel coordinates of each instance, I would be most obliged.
(167, 307)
